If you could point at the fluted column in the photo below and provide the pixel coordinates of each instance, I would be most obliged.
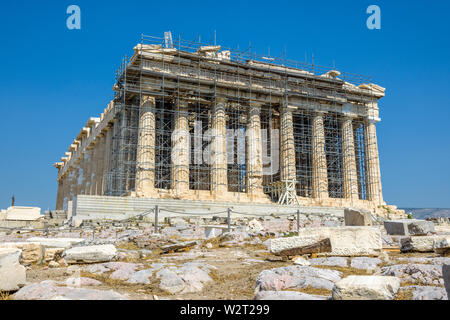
(100, 153)
(180, 149)
(254, 152)
(66, 190)
(106, 158)
(92, 169)
(373, 175)
(145, 155)
(319, 160)
(219, 184)
(60, 195)
(287, 145)
(83, 166)
(350, 176)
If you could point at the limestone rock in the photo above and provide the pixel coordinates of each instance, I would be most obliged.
(56, 242)
(446, 276)
(81, 282)
(286, 295)
(301, 261)
(53, 264)
(409, 227)
(49, 290)
(296, 277)
(330, 262)
(365, 263)
(32, 252)
(357, 217)
(366, 288)
(178, 246)
(424, 274)
(427, 292)
(23, 213)
(442, 246)
(90, 254)
(320, 246)
(236, 236)
(189, 277)
(12, 274)
(53, 254)
(345, 241)
(254, 226)
(419, 243)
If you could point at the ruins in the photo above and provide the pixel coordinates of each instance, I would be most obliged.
(200, 122)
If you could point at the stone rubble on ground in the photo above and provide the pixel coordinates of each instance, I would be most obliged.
(296, 277)
(357, 217)
(12, 273)
(365, 263)
(426, 292)
(90, 254)
(409, 227)
(32, 252)
(366, 288)
(51, 290)
(423, 274)
(345, 241)
(287, 295)
(57, 242)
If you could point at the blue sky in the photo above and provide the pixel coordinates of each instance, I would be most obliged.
(53, 79)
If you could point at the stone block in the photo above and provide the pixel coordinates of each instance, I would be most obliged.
(254, 226)
(53, 254)
(446, 276)
(345, 241)
(442, 245)
(32, 252)
(409, 227)
(12, 274)
(419, 244)
(357, 217)
(90, 254)
(366, 288)
(23, 213)
(57, 242)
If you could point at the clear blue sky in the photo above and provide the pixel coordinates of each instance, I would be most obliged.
(53, 79)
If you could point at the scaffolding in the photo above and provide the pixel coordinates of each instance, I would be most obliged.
(171, 82)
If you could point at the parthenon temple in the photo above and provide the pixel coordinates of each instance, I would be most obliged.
(193, 121)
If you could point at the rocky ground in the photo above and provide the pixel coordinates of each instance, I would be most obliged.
(132, 262)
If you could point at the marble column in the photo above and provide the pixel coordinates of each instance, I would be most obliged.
(66, 190)
(60, 195)
(287, 144)
(350, 176)
(145, 154)
(319, 160)
(219, 182)
(92, 169)
(180, 149)
(373, 176)
(99, 162)
(106, 157)
(254, 150)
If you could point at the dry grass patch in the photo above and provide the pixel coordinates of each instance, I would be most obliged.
(312, 291)
(128, 246)
(4, 295)
(116, 284)
(348, 271)
(404, 294)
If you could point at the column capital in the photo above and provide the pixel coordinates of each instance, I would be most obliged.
(372, 119)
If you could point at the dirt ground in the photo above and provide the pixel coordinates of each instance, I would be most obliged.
(235, 277)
